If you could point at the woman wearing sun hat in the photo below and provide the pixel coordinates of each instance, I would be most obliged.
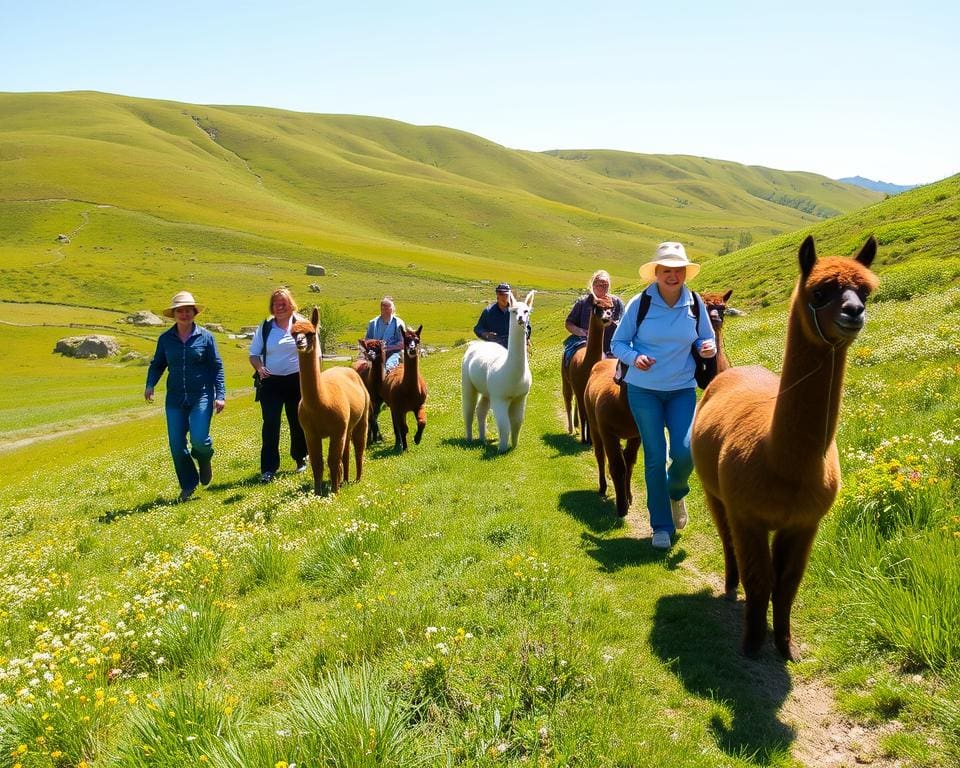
(661, 388)
(195, 389)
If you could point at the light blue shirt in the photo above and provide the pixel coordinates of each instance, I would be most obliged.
(665, 334)
(281, 347)
(390, 333)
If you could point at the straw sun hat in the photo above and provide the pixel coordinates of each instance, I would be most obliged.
(668, 255)
(182, 299)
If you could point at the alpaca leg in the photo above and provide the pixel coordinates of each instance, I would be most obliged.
(483, 408)
(756, 572)
(630, 461)
(359, 445)
(399, 428)
(501, 415)
(791, 551)
(600, 455)
(468, 396)
(584, 424)
(421, 425)
(335, 460)
(345, 460)
(315, 451)
(568, 399)
(731, 574)
(618, 473)
(515, 413)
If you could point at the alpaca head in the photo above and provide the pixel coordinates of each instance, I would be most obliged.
(603, 309)
(716, 305)
(411, 342)
(305, 333)
(520, 310)
(372, 349)
(833, 293)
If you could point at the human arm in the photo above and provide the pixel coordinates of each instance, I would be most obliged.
(216, 369)
(157, 366)
(574, 319)
(706, 342)
(257, 359)
(482, 329)
(622, 342)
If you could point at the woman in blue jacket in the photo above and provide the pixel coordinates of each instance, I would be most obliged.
(195, 390)
(661, 388)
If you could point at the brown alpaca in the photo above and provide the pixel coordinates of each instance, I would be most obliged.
(716, 306)
(334, 404)
(764, 445)
(574, 374)
(611, 421)
(404, 390)
(370, 368)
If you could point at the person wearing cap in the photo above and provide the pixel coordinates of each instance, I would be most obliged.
(661, 389)
(388, 328)
(195, 390)
(275, 358)
(578, 321)
(494, 322)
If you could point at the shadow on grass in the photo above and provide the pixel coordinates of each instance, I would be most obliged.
(591, 509)
(564, 444)
(698, 637)
(489, 448)
(148, 506)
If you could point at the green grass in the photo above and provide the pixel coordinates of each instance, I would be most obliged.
(455, 607)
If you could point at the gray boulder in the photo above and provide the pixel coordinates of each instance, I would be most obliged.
(144, 317)
(316, 269)
(95, 346)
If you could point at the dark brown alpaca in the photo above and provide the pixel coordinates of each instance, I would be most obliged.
(334, 405)
(764, 445)
(611, 421)
(574, 374)
(404, 390)
(370, 368)
(715, 303)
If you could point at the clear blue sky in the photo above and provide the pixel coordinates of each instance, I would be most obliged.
(838, 88)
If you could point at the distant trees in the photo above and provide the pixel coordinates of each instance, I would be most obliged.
(743, 240)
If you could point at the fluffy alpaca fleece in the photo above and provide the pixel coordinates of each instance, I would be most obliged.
(498, 378)
(763, 445)
(405, 391)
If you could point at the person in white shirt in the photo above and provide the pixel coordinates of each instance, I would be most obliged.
(275, 359)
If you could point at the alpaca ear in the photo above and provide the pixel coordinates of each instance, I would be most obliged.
(315, 317)
(868, 252)
(529, 300)
(419, 330)
(727, 295)
(510, 300)
(807, 256)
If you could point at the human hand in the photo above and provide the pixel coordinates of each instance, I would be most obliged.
(219, 405)
(644, 362)
(708, 348)
(264, 372)
(148, 394)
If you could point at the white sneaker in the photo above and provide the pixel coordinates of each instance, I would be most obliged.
(679, 510)
(661, 540)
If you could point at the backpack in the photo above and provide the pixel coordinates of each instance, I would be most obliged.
(705, 368)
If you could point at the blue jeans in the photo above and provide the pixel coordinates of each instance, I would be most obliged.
(194, 418)
(391, 362)
(653, 411)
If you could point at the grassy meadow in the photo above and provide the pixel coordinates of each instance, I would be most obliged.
(455, 607)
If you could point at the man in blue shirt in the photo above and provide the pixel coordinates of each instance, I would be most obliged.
(494, 322)
(388, 328)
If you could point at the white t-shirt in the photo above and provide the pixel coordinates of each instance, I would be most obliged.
(282, 357)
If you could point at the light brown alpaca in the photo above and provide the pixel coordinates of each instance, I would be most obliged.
(764, 445)
(333, 405)
(574, 374)
(611, 421)
(370, 367)
(404, 390)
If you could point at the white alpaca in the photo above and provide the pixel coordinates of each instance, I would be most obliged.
(499, 377)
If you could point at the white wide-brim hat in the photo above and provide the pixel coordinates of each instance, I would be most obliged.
(668, 255)
(182, 299)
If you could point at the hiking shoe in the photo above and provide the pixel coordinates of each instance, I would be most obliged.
(185, 494)
(266, 477)
(661, 540)
(679, 510)
(301, 467)
(206, 473)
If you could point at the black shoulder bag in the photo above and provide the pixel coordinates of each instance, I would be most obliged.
(705, 368)
(257, 381)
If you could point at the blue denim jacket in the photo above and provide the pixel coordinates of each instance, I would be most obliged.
(195, 366)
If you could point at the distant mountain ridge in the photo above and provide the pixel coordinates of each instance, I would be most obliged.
(878, 186)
